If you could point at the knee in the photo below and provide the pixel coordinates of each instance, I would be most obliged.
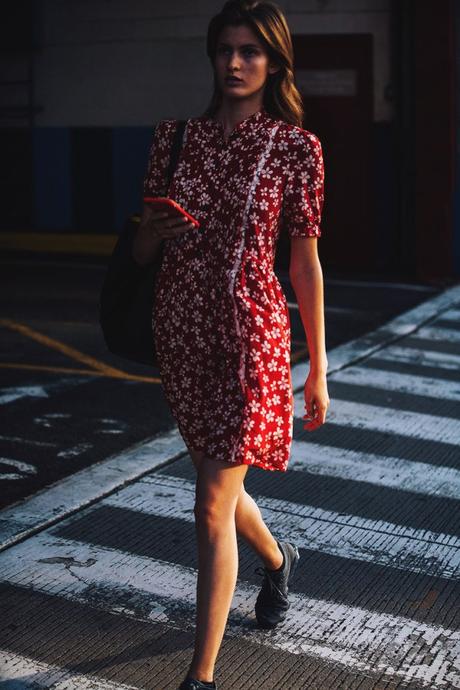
(210, 515)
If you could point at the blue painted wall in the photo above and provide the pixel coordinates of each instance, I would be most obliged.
(88, 179)
(52, 179)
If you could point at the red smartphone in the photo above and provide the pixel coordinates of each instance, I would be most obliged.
(164, 203)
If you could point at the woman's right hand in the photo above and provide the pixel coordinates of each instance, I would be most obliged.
(154, 227)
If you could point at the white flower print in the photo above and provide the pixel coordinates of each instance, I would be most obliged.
(221, 330)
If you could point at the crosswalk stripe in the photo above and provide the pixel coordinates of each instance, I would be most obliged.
(399, 381)
(451, 315)
(436, 333)
(159, 591)
(338, 534)
(24, 672)
(386, 419)
(417, 477)
(400, 353)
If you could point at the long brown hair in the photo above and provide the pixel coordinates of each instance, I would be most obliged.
(281, 100)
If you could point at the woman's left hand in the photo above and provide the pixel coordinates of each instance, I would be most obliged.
(316, 400)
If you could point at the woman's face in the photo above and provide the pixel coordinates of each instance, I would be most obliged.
(239, 52)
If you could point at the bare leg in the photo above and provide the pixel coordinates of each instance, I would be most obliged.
(252, 528)
(218, 486)
(250, 525)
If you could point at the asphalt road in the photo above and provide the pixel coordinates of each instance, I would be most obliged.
(68, 403)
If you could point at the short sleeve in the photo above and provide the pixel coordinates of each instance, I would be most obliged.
(304, 191)
(155, 181)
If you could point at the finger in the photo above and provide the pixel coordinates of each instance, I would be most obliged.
(184, 227)
(159, 215)
(309, 407)
(319, 417)
(313, 424)
(322, 417)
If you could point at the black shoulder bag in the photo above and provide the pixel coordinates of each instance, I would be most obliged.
(127, 294)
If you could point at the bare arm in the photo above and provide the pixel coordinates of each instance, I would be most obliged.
(306, 278)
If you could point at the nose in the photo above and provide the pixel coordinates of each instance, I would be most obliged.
(233, 62)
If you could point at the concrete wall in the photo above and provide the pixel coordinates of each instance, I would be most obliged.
(112, 64)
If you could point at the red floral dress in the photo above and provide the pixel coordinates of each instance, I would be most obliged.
(222, 328)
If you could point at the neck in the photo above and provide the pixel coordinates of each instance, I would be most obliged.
(230, 113)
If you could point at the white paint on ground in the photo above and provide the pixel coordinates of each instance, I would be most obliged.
(380, 470)
(32, 442)
(444, 334)
(452, 315)
(413, 355)
(19, 465)
(356, 638)
(23, 673)
(407, 323)
(8, 395)
(70, 494)
(74, 492)
(74, 450)
(343, 535)
(400, 382)
(386, 419)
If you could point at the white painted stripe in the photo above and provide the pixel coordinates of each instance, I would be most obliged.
(451, 315)
(27, 440)
(398, 381)
(407, 323)
(445, 334)
(387, 419)
(338, 534)
(82, 488)
(68, 495)
(150, 590)
(23, 672)
(411, 355)
(21, 466)
(13, 393)
(379, 470)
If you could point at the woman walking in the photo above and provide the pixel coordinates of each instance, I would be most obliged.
(247, 171)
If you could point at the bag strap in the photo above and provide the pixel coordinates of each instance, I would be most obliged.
(176, 148)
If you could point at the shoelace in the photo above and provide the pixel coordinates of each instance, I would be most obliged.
(268, 580)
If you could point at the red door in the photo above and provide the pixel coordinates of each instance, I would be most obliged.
(335, 77)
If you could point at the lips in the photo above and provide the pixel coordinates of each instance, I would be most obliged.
(233, 80)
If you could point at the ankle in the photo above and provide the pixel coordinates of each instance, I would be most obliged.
(201, 676)
(276, 561)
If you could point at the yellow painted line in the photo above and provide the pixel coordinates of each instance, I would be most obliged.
(68, 370)
(61, 347)
(43, 367)
(72, 243)
(70, 351)
(99, 367)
